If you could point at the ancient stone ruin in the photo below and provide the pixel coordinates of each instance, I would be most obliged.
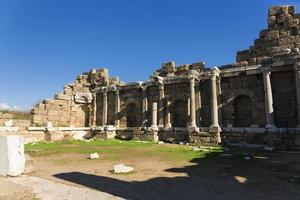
(254, 101)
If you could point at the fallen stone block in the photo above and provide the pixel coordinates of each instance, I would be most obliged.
(12, 158)
(94, 156)
(122, 169)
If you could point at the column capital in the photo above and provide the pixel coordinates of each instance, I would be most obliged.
(265, 69)
(104, 90)
(144, 87)
(193, 74)
(215, 72)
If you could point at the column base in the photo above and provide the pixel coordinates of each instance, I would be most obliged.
(214, 129)
(193, 129)
(168, 125)
(271, 126)
(154, 128)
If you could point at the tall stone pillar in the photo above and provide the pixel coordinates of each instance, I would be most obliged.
(145, 106)
(168, 124)
(154, 115)
(94, 109)
(104, 117)
(161, 103)
(215, 128)
(117, 108)
(297, 81)
(192, 102)
(214, 98)
(198, 105)
(270, 123)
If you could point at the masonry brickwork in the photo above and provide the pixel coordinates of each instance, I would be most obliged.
(256, 99)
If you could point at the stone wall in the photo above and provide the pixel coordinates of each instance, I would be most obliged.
(281, 36)
(260, 91)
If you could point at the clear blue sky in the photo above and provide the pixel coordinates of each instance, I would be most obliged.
(45, 44)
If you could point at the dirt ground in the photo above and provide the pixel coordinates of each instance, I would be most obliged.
(247, 174)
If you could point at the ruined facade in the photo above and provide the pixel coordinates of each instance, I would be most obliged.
(255, 100)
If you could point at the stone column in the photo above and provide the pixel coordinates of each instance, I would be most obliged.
(268, 97)
(214, 98)
(198, 105)
(145, 106)
(297, 81)
(104, 117)
(94, 109)
(214, 128)
(192, 102)
(117, 108)
(161, 104)
(169, 125)
(154, 114)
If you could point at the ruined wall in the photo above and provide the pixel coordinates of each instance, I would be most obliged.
(72, 106)
(281, 36)
(247, 86)
(283, 88)
(131, 108)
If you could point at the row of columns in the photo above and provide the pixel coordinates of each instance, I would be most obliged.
(193, 76)
(158, 110)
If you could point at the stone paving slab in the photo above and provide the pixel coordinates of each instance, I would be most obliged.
(49, 190)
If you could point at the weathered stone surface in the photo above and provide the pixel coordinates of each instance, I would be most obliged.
(94, 156)
(12, 159)
(122, 169)
(9, 123)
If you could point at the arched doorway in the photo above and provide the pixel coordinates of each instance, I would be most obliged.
(179, 113)
(243, 111)
(132, 115)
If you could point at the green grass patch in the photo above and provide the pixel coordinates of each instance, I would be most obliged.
(120, 149)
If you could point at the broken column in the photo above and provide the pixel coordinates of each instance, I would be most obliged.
(154, 114)
(145, 106)
(168, 123)
(12, 157)
(154, 122)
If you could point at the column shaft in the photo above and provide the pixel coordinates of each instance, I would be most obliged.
(161, 105)
(214, 103)
(117, 109)
(297, 81)
(168, 114)
(154, 114)
(145, 107)
(94, 109)
(104, 117)
(192, 103)
(268, 99)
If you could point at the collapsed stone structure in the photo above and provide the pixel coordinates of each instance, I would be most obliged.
(256, 100)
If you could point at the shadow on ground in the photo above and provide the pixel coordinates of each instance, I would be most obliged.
(212, 177)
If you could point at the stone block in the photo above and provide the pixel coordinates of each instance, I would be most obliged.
(12, 158)
(272, 35)
(9, 123)
(61, 96)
